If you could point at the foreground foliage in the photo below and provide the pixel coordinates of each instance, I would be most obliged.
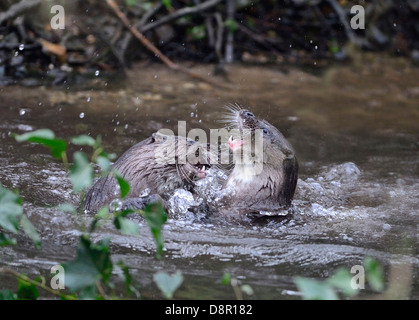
(89, 275)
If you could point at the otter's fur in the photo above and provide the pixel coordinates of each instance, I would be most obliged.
(268, 181)
(156, 166)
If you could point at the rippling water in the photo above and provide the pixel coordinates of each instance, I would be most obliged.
(355, 134)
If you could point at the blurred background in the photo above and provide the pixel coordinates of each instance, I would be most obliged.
(38, 46)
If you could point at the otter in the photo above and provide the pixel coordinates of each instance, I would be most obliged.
(154, 168)
(262, 182)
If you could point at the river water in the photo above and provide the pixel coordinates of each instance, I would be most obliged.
(356, 135)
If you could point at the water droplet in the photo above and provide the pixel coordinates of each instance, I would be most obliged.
(290, 45)
(16, 54)
(395, 24)
(279, 19)
(117, 123)
(81, 115)
(21, 47)
(97, 73)
(22, 112)
(315, 63)
(88, 99)
(192, 114)
(316, 47)
(155, 76)
(126, 126)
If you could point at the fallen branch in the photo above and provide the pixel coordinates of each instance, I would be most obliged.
(18, 8)
(151, 47)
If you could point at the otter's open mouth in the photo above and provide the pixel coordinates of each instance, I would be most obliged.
(199, 171)
(235, 144)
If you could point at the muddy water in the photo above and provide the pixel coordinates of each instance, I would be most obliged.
(356, 134)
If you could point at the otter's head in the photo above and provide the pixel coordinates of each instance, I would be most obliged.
(248, 128)
(188, 158)
(269, 180)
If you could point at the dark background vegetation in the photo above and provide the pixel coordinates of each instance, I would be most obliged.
(304, 32)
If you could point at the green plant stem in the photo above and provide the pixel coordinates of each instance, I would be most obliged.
(36, 283)
(96, 153)
(236, 288)
(101, 291)
(65, 160)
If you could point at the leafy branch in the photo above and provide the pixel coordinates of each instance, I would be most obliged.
(88, 276)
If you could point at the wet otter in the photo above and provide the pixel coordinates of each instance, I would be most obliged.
(265, 180)
(154, 168)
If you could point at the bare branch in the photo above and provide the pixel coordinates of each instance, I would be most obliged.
(172, 65)
(18, 9)
(180, 13)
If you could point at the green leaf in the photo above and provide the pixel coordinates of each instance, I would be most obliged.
(5, 240)
(156, 217)
(30, 231)
(374, 274)
(98, 142)
(7, 295)
(315, 290)
(66, 207)
(247, 289)
(26, 290)
(231, 24)
(123, 185)
(342, 281)
(168, 284)
(197, 32)
(10, 210)
(91, 264)
(69, 297)
(226, 280)
(130, 3)
(126, 276)
(83, 140)
(103, 213)
(47, 138)
(81, 174)
(104, 164)
(89, 293)
(126, 226)
(167, 4)
(41, 133)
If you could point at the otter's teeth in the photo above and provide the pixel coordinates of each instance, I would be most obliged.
(230, 139)
(203, 168)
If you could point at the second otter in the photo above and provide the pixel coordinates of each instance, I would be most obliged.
(264, 182)
(154, 168)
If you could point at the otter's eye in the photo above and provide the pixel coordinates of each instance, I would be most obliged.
(249, 114)
(265, 131)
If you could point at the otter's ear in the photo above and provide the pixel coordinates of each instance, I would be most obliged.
(159, 137)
